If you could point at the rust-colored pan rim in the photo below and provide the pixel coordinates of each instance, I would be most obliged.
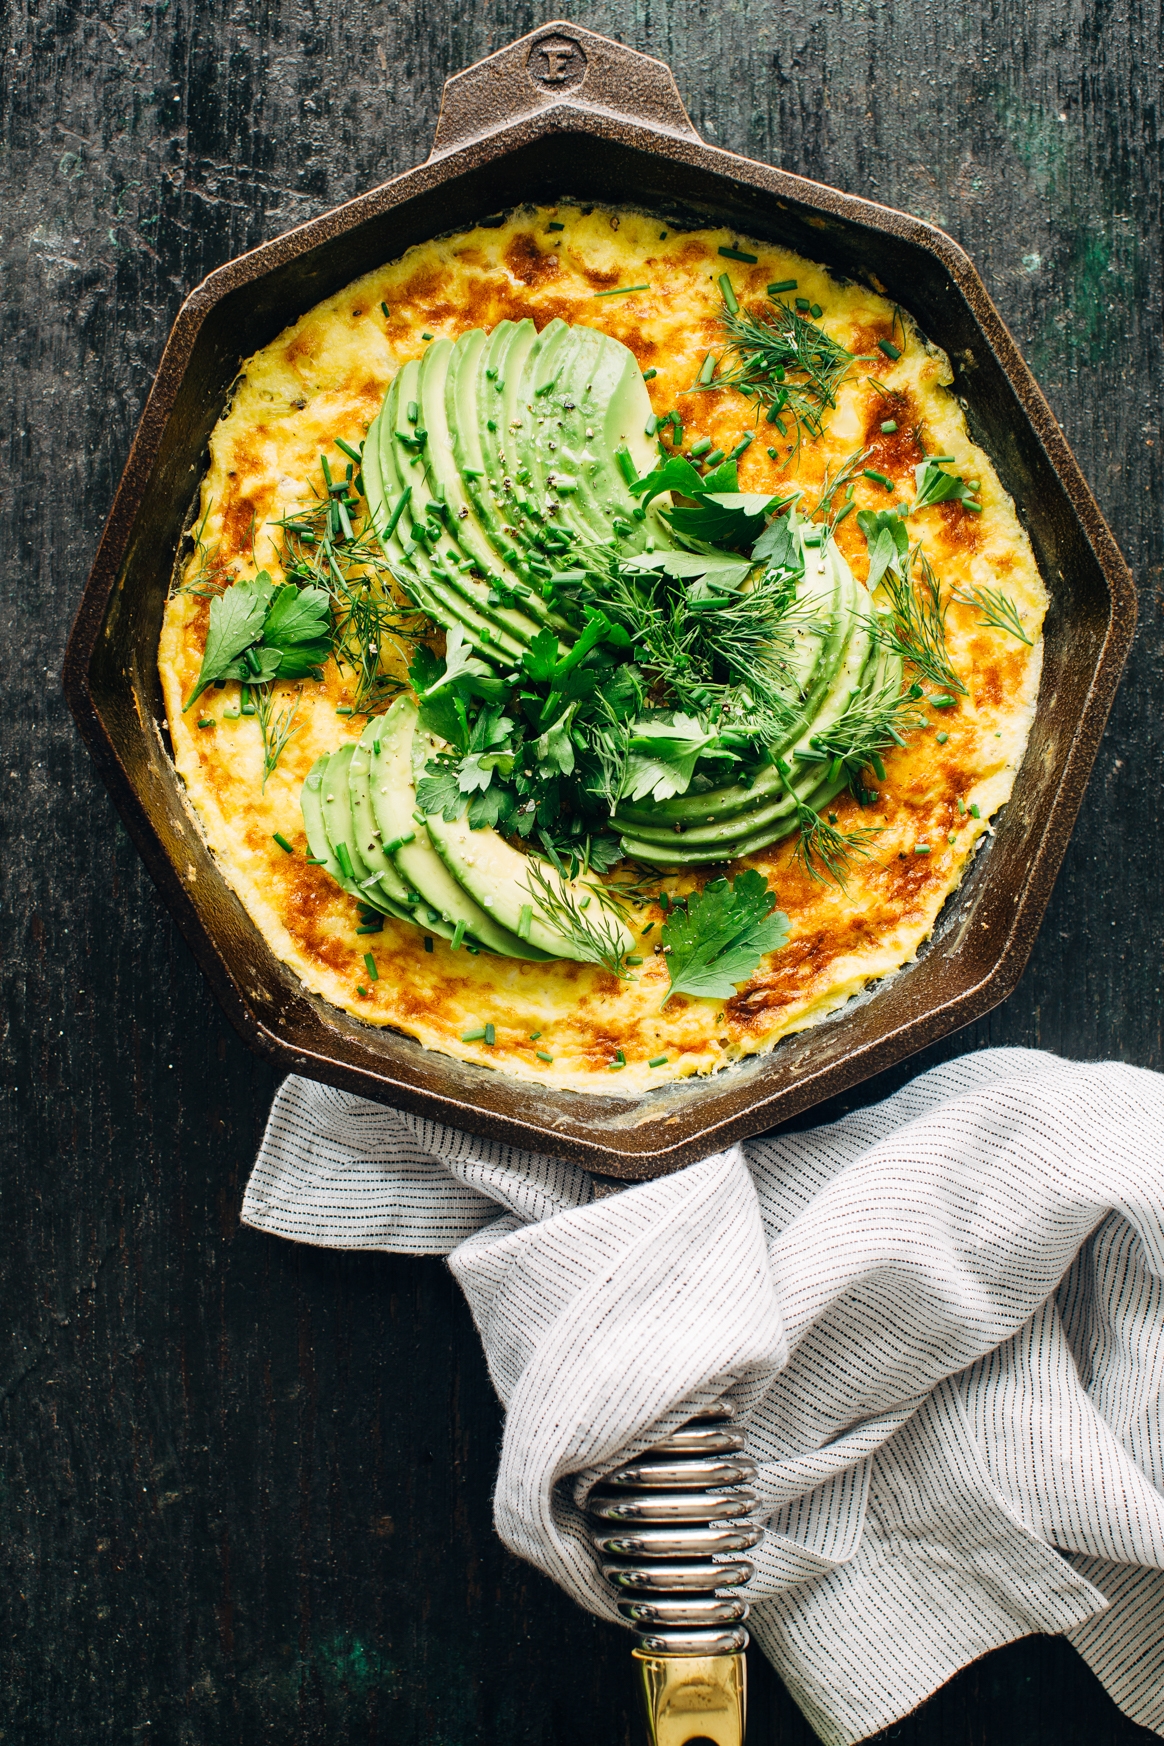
(668, 134)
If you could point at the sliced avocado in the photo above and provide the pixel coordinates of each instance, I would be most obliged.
(838, 666)
(394, 803)
(369, 844)
(463, 545)
(497, 876)
(336, 809)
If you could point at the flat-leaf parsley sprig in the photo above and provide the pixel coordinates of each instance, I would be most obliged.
(716, 938)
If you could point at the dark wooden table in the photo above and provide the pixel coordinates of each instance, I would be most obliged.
(245, 1486)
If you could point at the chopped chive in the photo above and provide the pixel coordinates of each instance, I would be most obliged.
(206, 721)
(707, 371)
(649, 375)
(621, 290)
(371, 928)
(878, 766)
(426, 336)
(316, 860)
(620, 1057)
(974, 812)
(282, 842)
(714, 459)
(651, 425)
(700, 448)
(961, 806)
(889, 426)
(634, 960)
(728, 294)
(888, 347)
(615, 1066)
(942, 737)
(738, 255)
(921, 848)
(420, 818)
(353, 455)
(974, 508)
(370, 967)
(647, 929)
(399, 842)
(344, 709)
(428, 942)
(524, 921)
(803, 304)
(953, 837)
(542, 1056)
(745, 442)
(534, 1035)
(458, 936)
(772, 456)
(816, 312)
(477, 1036)
(405, 495)
(554, 225)
(490, 1036)
(626, 465)
(360, 989)
(661, 1060)
(345, 860)
(781, 285)
(384, 311)
(880, 478)
(943, 702)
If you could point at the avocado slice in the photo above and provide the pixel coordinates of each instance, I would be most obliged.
(496, 875)
(370, 846)
(390, 783)
(830, 667)
(339, 824)
(434, 579)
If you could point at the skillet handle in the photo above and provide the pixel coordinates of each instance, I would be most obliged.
(559, 66)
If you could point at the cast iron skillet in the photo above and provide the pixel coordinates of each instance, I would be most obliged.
(564, 113)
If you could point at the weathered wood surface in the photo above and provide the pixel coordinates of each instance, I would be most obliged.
(246, 1486)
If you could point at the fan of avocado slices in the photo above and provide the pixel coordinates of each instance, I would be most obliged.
(640, 660)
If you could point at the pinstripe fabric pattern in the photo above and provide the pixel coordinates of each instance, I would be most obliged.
(942, 1320)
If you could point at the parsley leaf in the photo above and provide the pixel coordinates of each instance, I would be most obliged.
(663, 755)
(887, 540)
(935, 486)
(439, 791)
(299, 625)
(236, 621)
(719, 938)
(491, 808)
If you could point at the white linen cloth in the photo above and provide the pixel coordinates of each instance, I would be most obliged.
(940, 1319)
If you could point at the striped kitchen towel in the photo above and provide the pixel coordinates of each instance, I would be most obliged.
(941, 1320)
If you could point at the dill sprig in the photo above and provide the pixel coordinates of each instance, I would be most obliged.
(596, 940)
(915, 625)
(842, 480)
(786, 363)
(999, 611)
(276, 729)
(824, 851)
(865, 728)
(342, 554)
(210, 576)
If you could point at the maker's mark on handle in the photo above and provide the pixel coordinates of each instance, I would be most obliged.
(556, 62)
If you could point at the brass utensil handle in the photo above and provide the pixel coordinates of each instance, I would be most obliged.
(693, 1700)
(561, 65)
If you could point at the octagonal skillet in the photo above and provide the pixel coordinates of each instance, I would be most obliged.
(564, 113)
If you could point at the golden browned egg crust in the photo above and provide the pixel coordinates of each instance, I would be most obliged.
(325, 377)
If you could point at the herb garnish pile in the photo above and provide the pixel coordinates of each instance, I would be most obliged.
(658, 674)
